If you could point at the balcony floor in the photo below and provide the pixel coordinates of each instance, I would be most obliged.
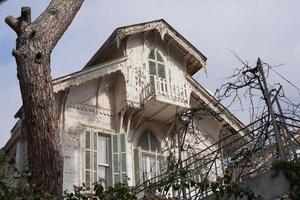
(163, 111)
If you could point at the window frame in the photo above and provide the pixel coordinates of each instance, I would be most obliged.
(148, 154)
(93, 150)
(108, 165)
(156, 63)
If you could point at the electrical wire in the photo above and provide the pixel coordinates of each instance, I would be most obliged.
(288, 81)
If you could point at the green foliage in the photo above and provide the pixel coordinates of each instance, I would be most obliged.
(24, 189)
(225, 188)
(21, 186)
(116, 192)
(291, 171)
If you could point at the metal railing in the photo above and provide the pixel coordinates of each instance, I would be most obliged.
(246, 155)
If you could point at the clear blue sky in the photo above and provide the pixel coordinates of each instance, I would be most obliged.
(269, 29)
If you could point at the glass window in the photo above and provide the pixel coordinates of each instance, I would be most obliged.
(156, 64)
(97, 159)
(150, 155)
(159, 58)
(103, 150)
(161, 71)
(103, 159)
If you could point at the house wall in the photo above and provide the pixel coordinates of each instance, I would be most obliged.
(90, 105)
(103, 104)
(137, 49)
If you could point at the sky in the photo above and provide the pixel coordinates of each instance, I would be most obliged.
(269, 29)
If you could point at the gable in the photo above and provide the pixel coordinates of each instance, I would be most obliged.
(116, 43)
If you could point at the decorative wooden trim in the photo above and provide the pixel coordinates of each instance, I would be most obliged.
(89, 108)
(89, 74)
(209, 100)
(164, 29)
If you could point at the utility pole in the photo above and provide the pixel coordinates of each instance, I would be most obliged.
(289, 139)
(267, 97)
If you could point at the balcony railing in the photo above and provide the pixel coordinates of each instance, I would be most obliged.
(166, 91)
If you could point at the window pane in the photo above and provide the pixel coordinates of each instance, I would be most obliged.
(152, 68)
(124, 178)
(87, 140)
(88, 159)
(122, 142)
(102, 174)
(115, 143)
(152, 83)
(155, 146)
(95, 177)
(95, 161)
(151, 55)
(153, 169)
(144, 161)
(88, 178)
(123, 160)
(159, 58)
(144, 141)
(102, 150)
(116, 178)
(95, 141)
(161, 71)
(116, 163)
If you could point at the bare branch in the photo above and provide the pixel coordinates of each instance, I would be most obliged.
(13, 23)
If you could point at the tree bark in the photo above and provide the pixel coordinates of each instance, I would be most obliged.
(35, 42)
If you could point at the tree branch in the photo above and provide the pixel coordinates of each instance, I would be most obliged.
(59, 15)
(19, 24)
(12, 23)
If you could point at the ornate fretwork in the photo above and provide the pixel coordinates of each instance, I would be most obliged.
(163, 29)
(212, 103)
(92, 109)
(89, 74)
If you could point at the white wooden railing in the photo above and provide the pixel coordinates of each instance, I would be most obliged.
(162, 88)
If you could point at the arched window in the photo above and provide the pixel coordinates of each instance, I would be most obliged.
(150, 155)
(148, 142)
(156, 65)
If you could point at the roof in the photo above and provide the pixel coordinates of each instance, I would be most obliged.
(165, 30)
(89, 73)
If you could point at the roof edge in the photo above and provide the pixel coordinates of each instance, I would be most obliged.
(162, 27)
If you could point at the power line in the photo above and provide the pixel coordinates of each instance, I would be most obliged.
(246, 109)
(283, 78)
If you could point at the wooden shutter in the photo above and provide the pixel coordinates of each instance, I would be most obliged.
(137, 165)
(123, 157)
(95, 163)
(88, 159)
(118, 144)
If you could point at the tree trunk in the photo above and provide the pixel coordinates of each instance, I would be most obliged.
(34, 45)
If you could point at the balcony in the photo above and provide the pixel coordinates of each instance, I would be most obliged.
(161, 98)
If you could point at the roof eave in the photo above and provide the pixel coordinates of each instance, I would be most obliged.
(163, 28)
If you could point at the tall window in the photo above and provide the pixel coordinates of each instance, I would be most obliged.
(156, 66)
(105, 158)
(150, 155)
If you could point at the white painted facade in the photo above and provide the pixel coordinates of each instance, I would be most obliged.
(113, 96)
